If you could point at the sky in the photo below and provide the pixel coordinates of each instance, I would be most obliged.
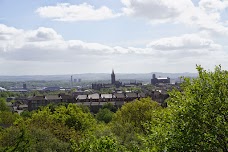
(95, 36)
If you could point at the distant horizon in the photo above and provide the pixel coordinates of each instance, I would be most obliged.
(95, 76)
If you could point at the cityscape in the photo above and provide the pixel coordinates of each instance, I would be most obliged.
(93, 95)
(114, 76)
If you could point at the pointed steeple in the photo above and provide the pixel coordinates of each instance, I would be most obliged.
(113, 79)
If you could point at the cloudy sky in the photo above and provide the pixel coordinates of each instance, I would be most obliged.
(131, 36)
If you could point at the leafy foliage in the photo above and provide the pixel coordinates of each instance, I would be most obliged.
(109, 106)
(199, 113)
(129, 121)
(3, 106)
(104, 115)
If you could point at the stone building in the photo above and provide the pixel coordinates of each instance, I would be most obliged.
(155, 81)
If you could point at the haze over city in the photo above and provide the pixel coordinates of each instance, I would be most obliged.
(93, 36)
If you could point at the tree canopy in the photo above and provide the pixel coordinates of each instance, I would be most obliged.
(200, 112)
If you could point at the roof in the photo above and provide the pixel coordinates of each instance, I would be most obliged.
(81, 97)
(107, 96)
(94, 96)
(119, 95)
(163, 78)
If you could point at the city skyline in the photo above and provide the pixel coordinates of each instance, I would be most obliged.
(131, 36)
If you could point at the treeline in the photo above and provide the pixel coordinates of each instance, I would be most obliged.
(195, 120)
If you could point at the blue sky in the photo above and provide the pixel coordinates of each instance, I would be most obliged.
(131, 36)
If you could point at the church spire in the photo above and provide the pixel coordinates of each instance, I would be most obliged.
(113, 79)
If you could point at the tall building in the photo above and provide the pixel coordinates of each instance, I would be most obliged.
(71, 81)
(155, 80)
(113, 77)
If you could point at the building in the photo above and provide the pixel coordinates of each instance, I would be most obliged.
(114, 83)
(117, 84)
(71, 81)
(113, 78)
(97, 86)
(37, 101)
(155, 81)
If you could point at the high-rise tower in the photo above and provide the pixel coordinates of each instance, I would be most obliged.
(71, 81)
(113, 79)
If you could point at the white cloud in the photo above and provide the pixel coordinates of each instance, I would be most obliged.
(44, 46)
(206, 16)
(6, 33)
(213, 6)
(81, 12)
(185, 42)
(45, 43)
(43, 34)
(156, 10)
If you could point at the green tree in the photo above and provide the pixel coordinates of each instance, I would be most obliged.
(104, 115)
(74, 117)
(3, 106)
(93, 144)
(129, 122)
(14, 139)
(8, 118)
(47, 120)
(200, 113)
(137, 113)
(26, 114)
(44, 141)
(109, 106)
